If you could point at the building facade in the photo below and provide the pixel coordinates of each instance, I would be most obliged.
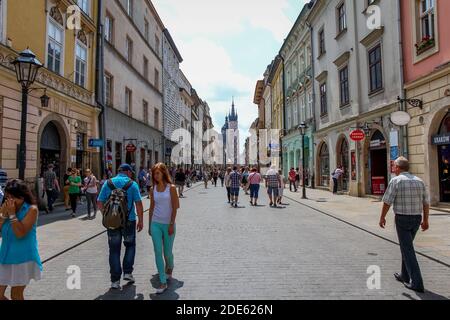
(58, 134)
(357, 80)
(298, 92)
(133, 83)
(426, 55)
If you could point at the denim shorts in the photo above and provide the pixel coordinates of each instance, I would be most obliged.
(235, 192)
(273, 191)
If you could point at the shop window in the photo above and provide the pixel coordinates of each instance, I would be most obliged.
(324, 166)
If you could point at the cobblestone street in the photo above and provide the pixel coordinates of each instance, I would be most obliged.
(249, 253)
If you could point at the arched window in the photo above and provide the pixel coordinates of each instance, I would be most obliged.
(56, 15)
(345, 163)
(324, 159)
(445, 126)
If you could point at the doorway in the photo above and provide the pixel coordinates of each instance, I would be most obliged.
(344, 161)
(378, 164)
(444, 161)
(50, 149)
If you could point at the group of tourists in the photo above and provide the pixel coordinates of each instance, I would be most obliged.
(249, 180)
(121, 204)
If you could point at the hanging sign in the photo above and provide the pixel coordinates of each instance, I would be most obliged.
(131, 148)
(400, 118)
(357, 135)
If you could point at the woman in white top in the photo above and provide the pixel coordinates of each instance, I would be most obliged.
(164, 203)
(90, 189)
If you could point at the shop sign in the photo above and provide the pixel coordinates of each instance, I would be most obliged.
(131, 148)
(357, 135)
(441, 140)
(96, 143)
(375, 143)
(394, 153)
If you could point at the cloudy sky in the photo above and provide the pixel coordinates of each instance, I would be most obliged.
(227, 45)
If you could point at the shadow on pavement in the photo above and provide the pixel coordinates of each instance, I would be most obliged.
(170, 294)
(128, 292)
(428, 295)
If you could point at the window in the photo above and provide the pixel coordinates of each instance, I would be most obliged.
(295, 113)
(157, 79)
(157, 44)
(375, 69)
(341, 18)
(321, 42)
(427, 16)
(84, 6)
(145, 71)
(128, 102)
(129, 50)
(310, 105)
(156, 115)
(109, 28)
(80, 64)
(344, 86)
(324, 158)
(109, 82)
(146, 30)
(55, 47)
(130, 8)
(145, 111)
(323, 99)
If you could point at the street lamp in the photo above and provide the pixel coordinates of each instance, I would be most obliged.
(27, 67)
(302, 129)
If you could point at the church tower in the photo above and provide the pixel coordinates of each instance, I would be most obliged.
(231, 123)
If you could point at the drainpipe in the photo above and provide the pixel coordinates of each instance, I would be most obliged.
(100, 89)
(404, 129)
(163, 145)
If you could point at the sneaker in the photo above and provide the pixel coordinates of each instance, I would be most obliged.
(129, 278)
(73, 215)
(161, 289)
(115, 285)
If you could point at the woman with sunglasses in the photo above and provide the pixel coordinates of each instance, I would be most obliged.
(19, 256)
(164, 203)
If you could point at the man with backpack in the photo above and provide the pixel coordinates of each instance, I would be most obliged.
(119, 201)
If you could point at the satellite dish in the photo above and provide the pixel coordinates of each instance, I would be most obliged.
(400, 118)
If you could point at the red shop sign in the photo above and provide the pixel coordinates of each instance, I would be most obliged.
(357, 135)
(131, 148)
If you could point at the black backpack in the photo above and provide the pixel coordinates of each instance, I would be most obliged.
(116, 210)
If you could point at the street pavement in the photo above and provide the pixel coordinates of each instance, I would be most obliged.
(294, 252)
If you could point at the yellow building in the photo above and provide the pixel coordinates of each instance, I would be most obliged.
(62, 35)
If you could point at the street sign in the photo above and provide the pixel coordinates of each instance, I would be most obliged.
(96, 143)
(400, 118)
(441, 140)
(357, 135)
(131, 148)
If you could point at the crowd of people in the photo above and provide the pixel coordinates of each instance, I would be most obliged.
(121, 197)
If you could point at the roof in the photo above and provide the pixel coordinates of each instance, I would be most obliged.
(172, 44)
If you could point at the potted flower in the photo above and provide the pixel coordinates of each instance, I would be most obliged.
(426, 43)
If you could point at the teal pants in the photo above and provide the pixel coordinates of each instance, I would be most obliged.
(163, 246)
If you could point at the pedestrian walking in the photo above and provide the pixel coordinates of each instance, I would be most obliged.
(135, 221)
(235, 184)
(206, 179)
(244, 181)
(51, 186)
(74, 181)
(90, 190)
(222, 177)
(227, 182)
(141, 178)
(215, 177)
(336, 176)
(66, 189)
(273, 185)
(410, 199)
(180, 181)
(254, 180)
(297, 179)
(148, 182)
(19, 256)
(282, 187)
(292, 176)
(3, 179)
(164, 203)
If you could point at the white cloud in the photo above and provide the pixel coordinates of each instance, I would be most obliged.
(198, 27)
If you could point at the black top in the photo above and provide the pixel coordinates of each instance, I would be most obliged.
(180, 177)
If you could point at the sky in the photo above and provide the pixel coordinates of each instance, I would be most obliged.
(226, 47)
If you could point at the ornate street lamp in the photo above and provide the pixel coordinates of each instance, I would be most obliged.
(27, 67)
(302, 129)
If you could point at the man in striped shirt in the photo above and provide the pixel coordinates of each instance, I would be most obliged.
(410, 199)
(235, 184)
